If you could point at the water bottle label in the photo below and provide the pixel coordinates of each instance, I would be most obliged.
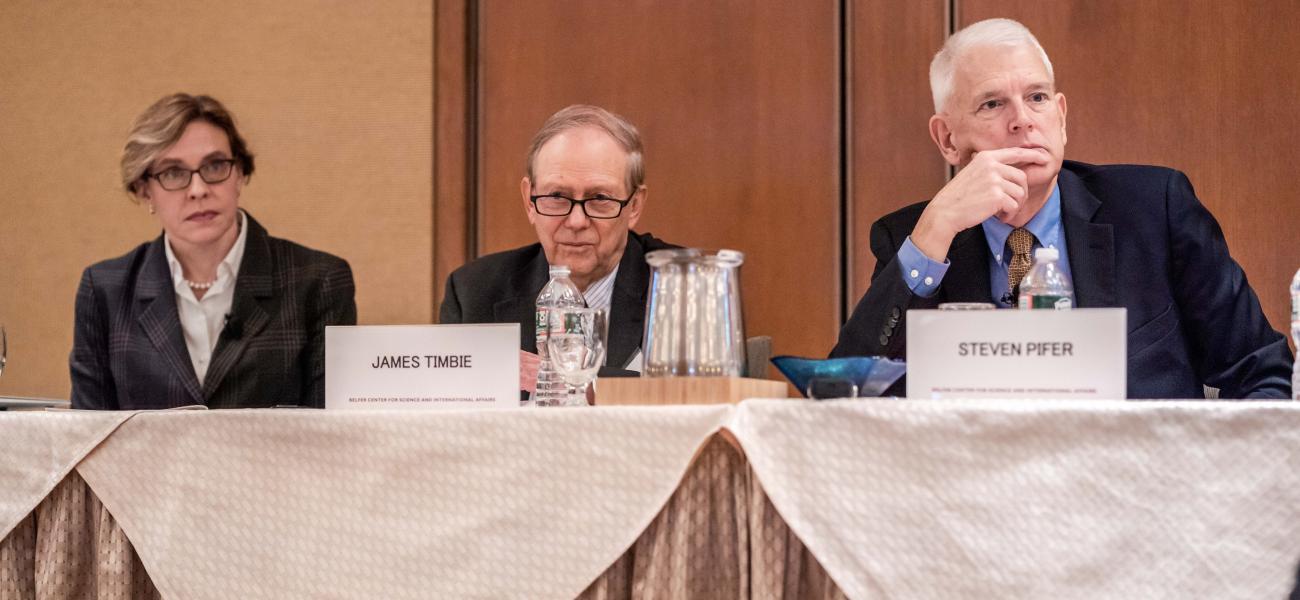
(542, 330)
(1048, 301)
(572, 323)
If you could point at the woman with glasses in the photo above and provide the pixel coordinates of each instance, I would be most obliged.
(214, 311)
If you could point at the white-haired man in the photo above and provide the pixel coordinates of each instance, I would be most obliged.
(1131, 236)
(583, 190)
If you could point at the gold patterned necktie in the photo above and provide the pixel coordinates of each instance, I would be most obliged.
(1021, 242)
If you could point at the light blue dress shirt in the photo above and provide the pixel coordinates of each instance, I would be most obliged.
(924, 275)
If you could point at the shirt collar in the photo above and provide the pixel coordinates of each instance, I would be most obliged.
(1046, 227)
(226, 271)
(600, 293)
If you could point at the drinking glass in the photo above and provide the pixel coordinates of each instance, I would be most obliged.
(577, 348)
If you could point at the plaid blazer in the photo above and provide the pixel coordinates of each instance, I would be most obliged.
(128, 349)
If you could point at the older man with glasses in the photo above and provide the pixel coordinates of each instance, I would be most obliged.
(583, 191)
(1130, 236)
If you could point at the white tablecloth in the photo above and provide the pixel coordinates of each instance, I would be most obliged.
(1015, 499)
(896, 499)
(37, 449)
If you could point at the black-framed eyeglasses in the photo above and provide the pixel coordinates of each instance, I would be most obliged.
(178, 178)
(599, 206)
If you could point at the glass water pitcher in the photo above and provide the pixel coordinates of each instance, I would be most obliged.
(694, 324)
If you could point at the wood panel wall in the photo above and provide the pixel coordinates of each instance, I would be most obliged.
(453, 149)
(780, 129)
(894, 163)
(738, 103)
(736, 100)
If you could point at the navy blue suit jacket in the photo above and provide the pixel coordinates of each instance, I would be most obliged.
(128, 348)
(1137, 238)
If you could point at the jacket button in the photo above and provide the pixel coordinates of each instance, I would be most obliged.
(893, 321)
(884, 340)
(895, 313)
(888, 330)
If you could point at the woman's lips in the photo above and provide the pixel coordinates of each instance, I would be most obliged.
(202, 216)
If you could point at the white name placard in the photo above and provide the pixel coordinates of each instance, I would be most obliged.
(422, 366)
(1078, 353)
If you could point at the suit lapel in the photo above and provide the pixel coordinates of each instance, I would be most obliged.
(1091, 245)
(627, 304)
(523, 308)
(158, 317)
(967, 280)
(248, 316)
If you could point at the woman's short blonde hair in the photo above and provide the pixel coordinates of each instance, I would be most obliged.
(160, 125)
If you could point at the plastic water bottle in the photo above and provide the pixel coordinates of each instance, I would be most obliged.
(557, 293)
(1045, 285)
(1295, 334)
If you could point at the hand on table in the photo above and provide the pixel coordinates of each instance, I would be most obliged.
(528, 363)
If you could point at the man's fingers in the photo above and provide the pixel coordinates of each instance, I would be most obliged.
(1019, 156)
(1014, 176)
(1016, 191)
(1009, 208)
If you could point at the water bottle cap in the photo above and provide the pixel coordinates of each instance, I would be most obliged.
(1046, 254)
(559, 270)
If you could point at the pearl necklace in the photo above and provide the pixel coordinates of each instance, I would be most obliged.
(199, 286)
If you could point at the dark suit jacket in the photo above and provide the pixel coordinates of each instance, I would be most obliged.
(128, 349)
(1138, 238)
(503, 288)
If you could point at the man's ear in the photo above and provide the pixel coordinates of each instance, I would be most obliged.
(941, 133)
(635, 207)
(1060, 103)
(525, 190)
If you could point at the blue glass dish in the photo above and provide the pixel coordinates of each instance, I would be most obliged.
(871, 374)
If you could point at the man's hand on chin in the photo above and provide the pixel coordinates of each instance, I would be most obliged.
(988, 185)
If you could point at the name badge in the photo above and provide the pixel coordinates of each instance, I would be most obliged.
(1080, 353)
(422, 366)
